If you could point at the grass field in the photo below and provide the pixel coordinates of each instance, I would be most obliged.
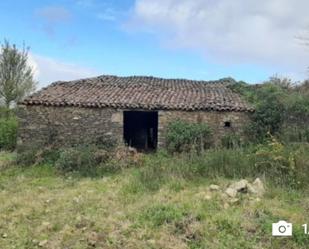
(41, 209)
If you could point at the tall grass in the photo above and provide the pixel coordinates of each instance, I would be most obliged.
(286, 166)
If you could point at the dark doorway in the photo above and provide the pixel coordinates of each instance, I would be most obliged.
(141, 129)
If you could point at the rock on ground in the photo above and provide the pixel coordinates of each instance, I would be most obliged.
(257, 187)
(243, 186)
(240, 186)
(214, 187)
(43, 243)
(231, 192)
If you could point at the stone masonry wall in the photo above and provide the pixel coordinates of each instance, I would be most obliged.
(41, 125)
(68, 125)
(215, 120)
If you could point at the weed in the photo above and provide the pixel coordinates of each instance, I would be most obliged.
(159, 215)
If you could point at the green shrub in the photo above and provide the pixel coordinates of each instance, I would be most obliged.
(281, 109)
(269, 112)
(26, 157)
(85, 160)
(231, 141)
(292, 134)
(8, 133)
(36, 155)
(47, 155)
(284, 165)
(185, 137)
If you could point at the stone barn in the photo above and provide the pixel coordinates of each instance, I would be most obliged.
(132, 110)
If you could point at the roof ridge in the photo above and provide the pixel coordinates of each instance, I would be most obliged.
(110, 76)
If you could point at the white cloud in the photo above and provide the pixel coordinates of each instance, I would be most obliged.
(48, 70)
(240, 31)
(34, 65)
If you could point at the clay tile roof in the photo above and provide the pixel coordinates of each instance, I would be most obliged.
(140, 92)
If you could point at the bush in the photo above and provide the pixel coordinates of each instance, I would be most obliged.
(269, 112)
(231, 141)
(85, 160)
(283, 165)
(185, 137)
(279, 105)
(26, 156)
(106, 143)
(36, 155)
(292, 134)
(8, 133)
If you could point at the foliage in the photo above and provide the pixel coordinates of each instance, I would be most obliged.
(231, 140)
(268, 116)
(283, 165)
(281, 109)
(27, 156)
(106, 143)
(8, 133)
(16, 76)
(184, 136)
(85, 160)
(7, 112)
(286, 165)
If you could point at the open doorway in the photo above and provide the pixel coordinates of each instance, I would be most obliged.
(140, 129)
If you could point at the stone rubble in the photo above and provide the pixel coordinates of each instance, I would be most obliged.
(256, 188)
(243, 186)
(231, 192)
(214, 187)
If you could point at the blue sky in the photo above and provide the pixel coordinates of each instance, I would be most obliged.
(196, 39)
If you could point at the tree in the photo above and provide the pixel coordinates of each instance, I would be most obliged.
(16, 76)
(284, 83)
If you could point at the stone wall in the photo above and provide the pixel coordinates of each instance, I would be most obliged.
(41, 125)
(68, 125)
(215, 120)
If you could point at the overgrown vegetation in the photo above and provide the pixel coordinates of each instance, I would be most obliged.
(93, 160)
(84, 159)
(184, 137)
(274, 162)
(8, 129)
(118, 211)
(282, 109)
